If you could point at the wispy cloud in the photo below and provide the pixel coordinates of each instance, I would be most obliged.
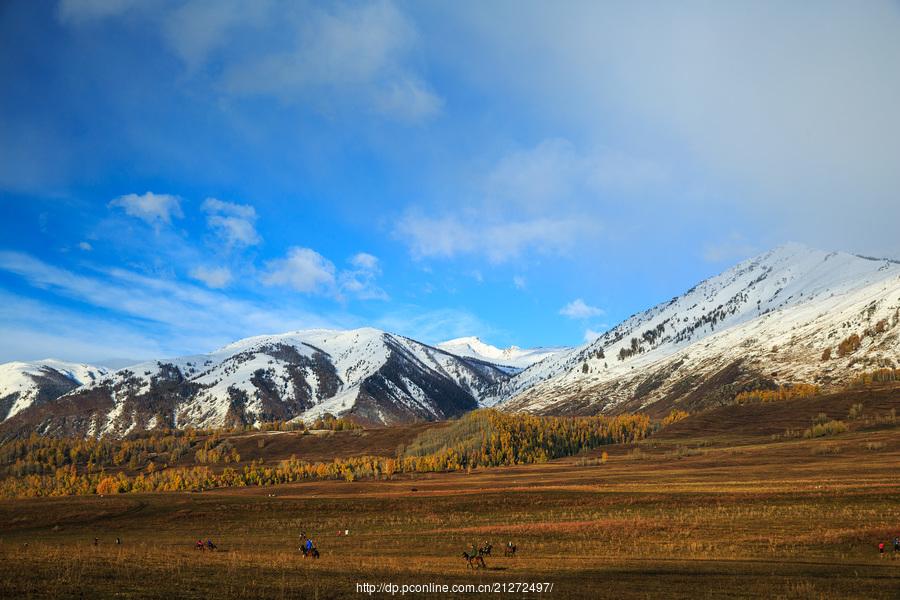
(175, 315)
(213, 277)
(361, 280)
(578, 309)
(500, 241)
(303, 270)
(545, 199)
(433, 326)
(233, 223)
(153, 209)
(590, 334)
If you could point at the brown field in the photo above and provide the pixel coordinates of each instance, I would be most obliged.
(719, 505)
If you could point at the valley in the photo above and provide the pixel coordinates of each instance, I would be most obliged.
(719, 504)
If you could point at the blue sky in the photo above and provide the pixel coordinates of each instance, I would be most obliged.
(178, 174)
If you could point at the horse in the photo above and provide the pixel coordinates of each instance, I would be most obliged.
(474, 561)
(312, 552)
(510, 550)
(485, 550)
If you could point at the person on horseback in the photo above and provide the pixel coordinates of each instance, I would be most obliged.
(199, 545)
(210, 545)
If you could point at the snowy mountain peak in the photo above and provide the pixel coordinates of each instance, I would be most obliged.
(774, 300)
(514, 357)
(23, 384)
(370, 375)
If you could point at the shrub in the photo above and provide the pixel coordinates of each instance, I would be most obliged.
(825, 429)
(876, 376)
(674, 416)
(849, 345)
(793, 392)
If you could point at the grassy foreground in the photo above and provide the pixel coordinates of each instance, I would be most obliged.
(736, 513)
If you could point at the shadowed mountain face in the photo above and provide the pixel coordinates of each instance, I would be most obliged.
(367, 375)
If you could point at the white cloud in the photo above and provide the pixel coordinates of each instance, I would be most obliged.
(196, 30)
(549, 199)
(554, 175)
(360, 281)
(338, 55)
(578, 309)
(86, 246)
(363, 49)
(165, 315)
(500, 241)
(590, 335)
(364, 260)
(796, 130)
(233, 223)
(303, 270)
(153, 209)
(519, 282)
(213, 277)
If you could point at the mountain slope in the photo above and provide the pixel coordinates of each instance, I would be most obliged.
(766, 321)
(514, 359)
(23, 384)
(372, 376)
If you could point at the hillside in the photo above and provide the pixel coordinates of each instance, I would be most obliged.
(23, 384)
(791, 315)
(369, 375)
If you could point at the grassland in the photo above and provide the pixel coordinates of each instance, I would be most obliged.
(718, 505)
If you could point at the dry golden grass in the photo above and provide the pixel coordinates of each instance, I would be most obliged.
(734, 514)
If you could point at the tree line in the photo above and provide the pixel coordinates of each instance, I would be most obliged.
(479, 439)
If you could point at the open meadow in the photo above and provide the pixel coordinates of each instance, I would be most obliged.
(699, 510)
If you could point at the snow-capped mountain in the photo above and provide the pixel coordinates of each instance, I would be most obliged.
(23, 384)
(512, 359)
(370, 375)
(773, 319)
(791, 315)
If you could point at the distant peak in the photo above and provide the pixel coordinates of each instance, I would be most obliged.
(471, 339)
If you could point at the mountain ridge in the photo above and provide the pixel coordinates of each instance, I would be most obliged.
(769, 320)
(778, 290)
